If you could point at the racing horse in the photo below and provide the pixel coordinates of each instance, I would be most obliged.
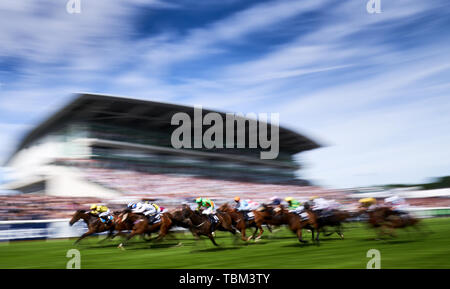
(93, 222)
(201, 224)
(140, 225)
(239, 221)
(179, 220)
(295, 222)
(265, 214)
(331, 218)
(387, 220)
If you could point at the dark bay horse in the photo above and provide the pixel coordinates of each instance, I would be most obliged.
(333, 218)
(386, 220)
(179, 220)
(93, 222)
(201, 224)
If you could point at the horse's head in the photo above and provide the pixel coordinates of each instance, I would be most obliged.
(278, 210)
(262, 208)
(223, 207)
(123, 216)
(79, 214)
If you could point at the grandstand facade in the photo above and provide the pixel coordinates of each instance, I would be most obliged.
(102, 146)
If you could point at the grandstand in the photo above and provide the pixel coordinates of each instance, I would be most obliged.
(109, 147)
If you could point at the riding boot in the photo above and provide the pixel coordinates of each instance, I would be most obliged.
(213, 227)
(213, 223)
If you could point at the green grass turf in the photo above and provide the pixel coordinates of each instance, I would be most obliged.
(278, 250)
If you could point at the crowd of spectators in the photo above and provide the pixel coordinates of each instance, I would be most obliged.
(37, 206)
(169, 191)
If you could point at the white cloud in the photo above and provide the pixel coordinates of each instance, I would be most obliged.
(376, 125)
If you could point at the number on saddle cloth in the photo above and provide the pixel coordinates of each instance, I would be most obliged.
(304, 216)
(213, 218)
(105, 219)
(155, 219)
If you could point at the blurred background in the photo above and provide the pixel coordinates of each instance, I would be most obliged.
(86, 101)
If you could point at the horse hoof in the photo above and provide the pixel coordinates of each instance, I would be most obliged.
(249, 238)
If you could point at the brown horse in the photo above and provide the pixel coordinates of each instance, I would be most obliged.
(334, 218)
(386, 220)
(239, 221)
(295, 222)
(179, 220)
(140, 225)
(93, 222)
(201, 224)
(265, 215)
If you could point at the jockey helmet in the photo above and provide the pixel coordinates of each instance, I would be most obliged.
(131, 205)
(313, 198)
(93, 207)
(198, 200)
(288, 199)
(237, 199)
(368, 201)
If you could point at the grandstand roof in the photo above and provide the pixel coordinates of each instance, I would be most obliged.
(142, 113)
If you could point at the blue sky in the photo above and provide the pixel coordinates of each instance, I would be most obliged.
(374, 89)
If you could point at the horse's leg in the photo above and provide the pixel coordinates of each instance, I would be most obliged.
(210, 236)
(195, 234)
(162, 232)
(138, 231)
(116, 234)
(339, 231)
(242, 229)
(119, 233)
(229, 228)
(326, 233)
(261, 231)
(299, 236)
(109, 236)
(88, 233)
(269, 228)
(253, 234)
(317, 237)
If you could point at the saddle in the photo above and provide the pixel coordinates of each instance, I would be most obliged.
(154, 219)
(248, 215)
(107, 220)
(213, 218)
(303, 215)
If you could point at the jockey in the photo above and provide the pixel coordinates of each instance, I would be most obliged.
(209, 210)
(275, 201)
(245, 206)
(320, 205)
(397, 204)
(102, 212)
(242, 205)
(368, 203)
(292, 204)
(150, 210)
